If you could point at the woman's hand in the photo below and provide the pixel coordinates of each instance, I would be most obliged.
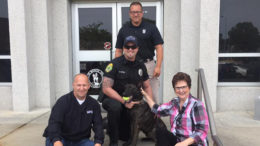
(149, 100)
(180, 144)
(186, 142)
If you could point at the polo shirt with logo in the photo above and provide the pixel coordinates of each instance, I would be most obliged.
(147, 34)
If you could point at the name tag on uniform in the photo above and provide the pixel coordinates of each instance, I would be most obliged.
(122, 72)
(89, 112)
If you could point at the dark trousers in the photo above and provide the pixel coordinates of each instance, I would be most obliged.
(165, 137)
(83, 142)
(118, 120)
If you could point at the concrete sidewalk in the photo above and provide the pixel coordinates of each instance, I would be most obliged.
(238, 128)
(16, 129)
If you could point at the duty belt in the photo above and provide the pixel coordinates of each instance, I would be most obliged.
(146, 60)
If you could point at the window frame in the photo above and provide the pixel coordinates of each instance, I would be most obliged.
(224, 18)
(6, 57)
(2, 57)
(238, 84)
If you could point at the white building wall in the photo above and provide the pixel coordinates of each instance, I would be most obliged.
(208, 45)
(171, 60)
(190, 33)
(237, 98)
(6, 98)
(191, 42)
(19, 27)
(41, 53)
(61, 29)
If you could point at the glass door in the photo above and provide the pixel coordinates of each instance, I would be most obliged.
(94, 35)
(152, 13)
(95, 27)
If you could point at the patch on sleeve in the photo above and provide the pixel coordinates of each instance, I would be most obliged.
(109, 67)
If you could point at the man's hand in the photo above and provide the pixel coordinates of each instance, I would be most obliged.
(129, 105)
(156, 72)
(97, 144)
(57, 143)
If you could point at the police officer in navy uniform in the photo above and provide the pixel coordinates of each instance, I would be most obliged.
(149, 40)
(121, 71)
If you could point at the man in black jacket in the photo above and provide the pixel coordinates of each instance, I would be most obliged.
(73, 116)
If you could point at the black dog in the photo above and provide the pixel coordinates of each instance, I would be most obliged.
(141, 116)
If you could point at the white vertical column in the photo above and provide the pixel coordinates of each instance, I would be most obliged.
(41, 54)
(209, 32)
(62, 48)
(19, 26)
(171, 45)
(190, 35)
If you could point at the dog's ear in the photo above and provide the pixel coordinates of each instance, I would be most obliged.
(126, 86)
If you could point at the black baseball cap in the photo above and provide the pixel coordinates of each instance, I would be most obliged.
(131, 39)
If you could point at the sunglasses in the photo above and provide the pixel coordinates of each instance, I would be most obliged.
(130, 47)
(136, 12)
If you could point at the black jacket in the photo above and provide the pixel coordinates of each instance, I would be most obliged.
(71, 121)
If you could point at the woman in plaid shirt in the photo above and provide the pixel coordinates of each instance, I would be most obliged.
(188, 117)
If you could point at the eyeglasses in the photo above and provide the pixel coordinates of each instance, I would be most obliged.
(136, 12)
(181, 87)
(130, 47)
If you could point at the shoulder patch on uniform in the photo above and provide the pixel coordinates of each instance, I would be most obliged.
(109, 67)
(140, 72)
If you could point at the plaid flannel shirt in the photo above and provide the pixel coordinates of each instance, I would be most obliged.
(193, 120)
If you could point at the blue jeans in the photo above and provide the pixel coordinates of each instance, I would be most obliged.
(83, 142)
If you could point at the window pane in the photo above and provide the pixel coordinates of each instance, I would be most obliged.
(4, 29)
(149, 14)
(95, 71)
(239, 26)
(239, 69)
(5, 70)
(95, 26)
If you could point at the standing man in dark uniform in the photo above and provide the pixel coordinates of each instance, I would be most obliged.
(121, 71)
(149, 40)
(73, 116)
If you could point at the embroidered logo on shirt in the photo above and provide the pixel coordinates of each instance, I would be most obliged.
(140, 72)
(89, 112)
(109, 67)
(144, 31)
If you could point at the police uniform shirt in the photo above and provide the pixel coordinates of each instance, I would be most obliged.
(147, 34)
(125, 72)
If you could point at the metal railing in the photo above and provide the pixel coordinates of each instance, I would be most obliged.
(203, 88)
